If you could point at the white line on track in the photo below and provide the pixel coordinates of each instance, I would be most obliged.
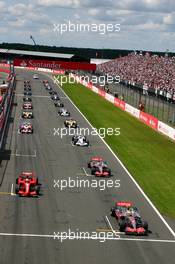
(110, 225)
(26, 155)
(57, 237)
(122, 165)
(72, 144)
(11, 192)
(145, 240)
(16, 154)
(11, 189)
(86, 172)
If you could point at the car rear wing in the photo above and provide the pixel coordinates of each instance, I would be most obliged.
(124, 204)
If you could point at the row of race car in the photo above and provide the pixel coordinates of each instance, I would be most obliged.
(27, 184)
(26, 127)
(97, 165)
(77, 140)
(126, 214)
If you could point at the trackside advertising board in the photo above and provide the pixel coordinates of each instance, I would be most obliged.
(54, 65)
(132, 110)
(119, 103)
(4, 65)
(149, 120)
(4, 70)
(166, 130)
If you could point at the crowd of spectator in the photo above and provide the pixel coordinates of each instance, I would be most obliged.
(154, 72)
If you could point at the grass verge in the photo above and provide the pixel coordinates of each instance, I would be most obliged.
(149, 156)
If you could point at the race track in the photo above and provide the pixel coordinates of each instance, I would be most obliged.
(28, 224)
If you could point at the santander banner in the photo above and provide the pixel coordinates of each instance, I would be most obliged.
(4, 70)
(54, 65)
(4, 65)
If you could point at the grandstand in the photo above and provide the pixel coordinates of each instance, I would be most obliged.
(156, 72)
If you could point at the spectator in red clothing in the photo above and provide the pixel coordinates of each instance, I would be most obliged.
(141, 106)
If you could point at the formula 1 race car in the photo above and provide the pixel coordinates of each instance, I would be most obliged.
(28, 93)
(27, 99)
(27, 114)
(48, 87)
(27, 185)
(27, 82)
(27, 88)
(80, 141)
(58, 104)
(26, 128)
(45, 82)
(71, 123)
(98, 167)
(128, 219)
(63, 112)
(55, 97)
(27, 105)
(52, 92)
(35, 76)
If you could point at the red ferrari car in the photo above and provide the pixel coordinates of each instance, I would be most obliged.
(27, 185)
(27, 105)
(99, 167)
(128, 219)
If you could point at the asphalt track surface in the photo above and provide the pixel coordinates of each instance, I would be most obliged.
(28, 224)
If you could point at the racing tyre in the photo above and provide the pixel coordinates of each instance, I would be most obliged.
(74, 142)
(17, 190)
(37, 189)
(93, 170)
(112, 212)
(145, 226)
(109, 171)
